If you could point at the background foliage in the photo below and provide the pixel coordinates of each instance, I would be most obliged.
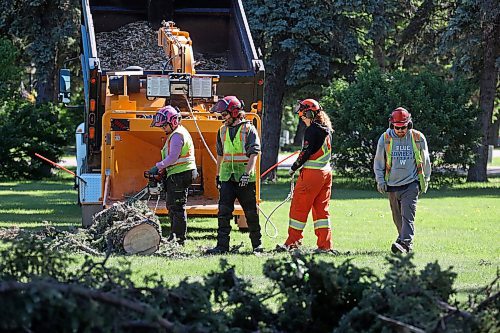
(47, 32)
(304, 44)
(11, 72)
(28, 129)
(440, 110)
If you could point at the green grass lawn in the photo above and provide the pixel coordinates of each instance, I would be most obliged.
(455, 225)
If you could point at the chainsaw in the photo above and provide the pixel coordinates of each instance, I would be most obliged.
(155, 182)
(154, 188)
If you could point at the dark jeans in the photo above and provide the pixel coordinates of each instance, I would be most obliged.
(229, 192)
(176, 187)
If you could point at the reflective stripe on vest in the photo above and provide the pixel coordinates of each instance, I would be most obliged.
(234, 159)
(294, 224)
(186, 160)
(322, 224)
(415, 141)
(321, 159)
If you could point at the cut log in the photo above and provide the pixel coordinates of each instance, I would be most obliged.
(127, 228)
(141, 239)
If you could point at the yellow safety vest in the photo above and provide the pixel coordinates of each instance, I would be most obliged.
(415, 140)
(234, 158)
(320, 160)
(186, 159)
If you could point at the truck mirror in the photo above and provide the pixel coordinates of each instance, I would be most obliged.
(64, 85)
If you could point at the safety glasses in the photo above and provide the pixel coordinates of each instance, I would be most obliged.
(220, 106)
(402, 128)
(298, 109)
(159, 120)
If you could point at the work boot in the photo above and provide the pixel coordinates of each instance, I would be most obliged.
(284, 248)
(217, 250)
(398, 247)
(172, 239)
(258, 249)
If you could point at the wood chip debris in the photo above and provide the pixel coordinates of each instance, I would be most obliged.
(136, 44)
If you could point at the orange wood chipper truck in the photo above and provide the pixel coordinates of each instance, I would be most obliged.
(129, 74)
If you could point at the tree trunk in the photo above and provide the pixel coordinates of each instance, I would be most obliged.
(379, 39)
(487, 86)
(46, 82)
(271, 122)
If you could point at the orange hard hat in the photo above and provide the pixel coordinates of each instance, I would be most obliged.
(308, 107)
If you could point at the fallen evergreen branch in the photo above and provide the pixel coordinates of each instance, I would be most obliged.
(39, 293)
(106, 234)
(105, 297)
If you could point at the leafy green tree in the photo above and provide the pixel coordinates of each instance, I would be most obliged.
(439, 108)
(433, 34)
(473, 40)
(10, 73)
(403, 34)
(28, 129)
(48, 33)
(305, 43)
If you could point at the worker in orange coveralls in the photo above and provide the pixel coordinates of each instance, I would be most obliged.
(314, 184)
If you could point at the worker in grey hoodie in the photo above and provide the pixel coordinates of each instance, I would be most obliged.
(402, 169)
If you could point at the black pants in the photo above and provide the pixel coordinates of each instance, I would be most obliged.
(229, 192)
(176, 187)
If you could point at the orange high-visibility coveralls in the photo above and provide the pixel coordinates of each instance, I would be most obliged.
(312, 191)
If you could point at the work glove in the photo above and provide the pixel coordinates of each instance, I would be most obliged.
(382, 187)
(426, 186)
(154, 171)
(291, 172)
(218, 183)
(244, 179)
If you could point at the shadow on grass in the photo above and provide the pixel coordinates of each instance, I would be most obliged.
(470, 291)
(356, 189)
(193, 233)
(51, 206)
(61, 185)
(55, 200)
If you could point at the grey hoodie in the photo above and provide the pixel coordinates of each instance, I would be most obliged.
(404, 168)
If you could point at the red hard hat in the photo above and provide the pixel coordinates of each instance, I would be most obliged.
(308, 104)
(229, 104)
(400, 117)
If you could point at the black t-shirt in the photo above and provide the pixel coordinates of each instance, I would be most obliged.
(314, 137)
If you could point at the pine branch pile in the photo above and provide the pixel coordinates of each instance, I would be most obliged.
(136, 44)
(40, 293)
(106, 235)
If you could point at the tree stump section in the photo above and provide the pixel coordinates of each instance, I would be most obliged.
(129, 228)
(141, 239)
